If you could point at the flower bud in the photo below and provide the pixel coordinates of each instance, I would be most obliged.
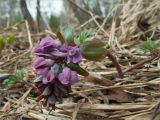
(93, 50)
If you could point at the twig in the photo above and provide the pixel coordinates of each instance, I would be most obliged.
(21, 100)
(141, 63)
(76, 111)
(87, 22)
(112, 87)
(106, 34)
(115, 63)
(86, 106)
(29, 36)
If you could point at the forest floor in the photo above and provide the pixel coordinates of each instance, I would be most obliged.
(88, 101)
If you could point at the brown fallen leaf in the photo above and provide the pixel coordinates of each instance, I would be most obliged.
(116, 94)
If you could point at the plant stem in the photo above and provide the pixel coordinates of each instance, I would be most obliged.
(115, 63)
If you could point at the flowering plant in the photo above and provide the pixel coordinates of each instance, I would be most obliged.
(56, 64)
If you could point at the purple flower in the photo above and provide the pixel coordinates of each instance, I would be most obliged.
(67, 77)
(42, 71)
(46, 45)
(49, 78)
(57, 53)
(51, 101)
(55, 79)
(73, 53)
(56, 69)
(42, 65)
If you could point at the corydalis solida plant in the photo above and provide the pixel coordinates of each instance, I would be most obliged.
(55, 78)
(57, 60)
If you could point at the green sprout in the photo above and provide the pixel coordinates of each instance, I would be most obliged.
(11, 38)
(83, 36)
(13, 80)
(149, 46)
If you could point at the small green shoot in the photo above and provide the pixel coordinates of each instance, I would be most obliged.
(149, 46)
(11, 38)
(68, 35)
(83, 36)
(10, 82)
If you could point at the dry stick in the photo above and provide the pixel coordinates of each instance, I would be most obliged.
(141, 63)
(106, 34)
(112, 87)
(129, 114)
(115, 107)
(87, 22)
(115, 63)
(74, 114)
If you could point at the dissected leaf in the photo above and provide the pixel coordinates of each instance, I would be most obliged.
(11, 38)
(83, 36)
(68, 35)
(93, 50)
(10, 82)
(149, 46)
(19, 74)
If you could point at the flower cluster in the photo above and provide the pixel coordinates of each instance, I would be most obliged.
(50, 64)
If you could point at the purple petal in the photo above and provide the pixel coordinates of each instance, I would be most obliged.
(46, 45)
(37, 61)
(47, 91)
(51, 101)
(73, 78)
(67, 76)
(48, 41)
(65, 47)
(42, 62)
(74, 55)
(49, 78)
(58, 54)
(77, 57)
(63, 79)
(42, 71)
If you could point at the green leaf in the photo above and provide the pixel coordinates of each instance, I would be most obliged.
(94, 50)
(10, 82)
(11, 38)
(78, 69)
(83, 36)
(19, 74)
(68, 35)
(149, 46)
